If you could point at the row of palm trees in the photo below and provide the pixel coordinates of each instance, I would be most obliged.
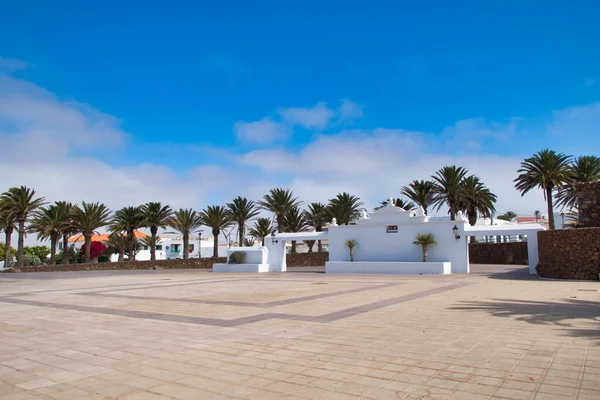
(557, 174)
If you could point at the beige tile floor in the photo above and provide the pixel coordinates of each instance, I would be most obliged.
(196, 335)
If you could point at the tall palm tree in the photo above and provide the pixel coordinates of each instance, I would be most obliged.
(448, 188)
(547, 170)
(345, 208)
(216, 218)
(128, 219)
(478, 199)
(21, 202)
(295, 221)
(583, 169)
(118, 242)
(48, 224)
(67, 226)
(279, 201)
(261, 229)
(87, 218)
(317, 215)
(421, 192)
(155, 216)
(241, 210)
(405, 205)
(185, 221)
(8, 223)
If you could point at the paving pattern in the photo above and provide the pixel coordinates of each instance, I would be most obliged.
(150, 335)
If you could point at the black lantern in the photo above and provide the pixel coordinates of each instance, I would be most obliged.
(273, 240)
(455, 231)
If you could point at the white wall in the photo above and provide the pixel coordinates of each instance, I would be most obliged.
(375, 244)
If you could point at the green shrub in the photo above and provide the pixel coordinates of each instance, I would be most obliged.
(40, 252)
(237, 257)
(31, 260)
(13, 252)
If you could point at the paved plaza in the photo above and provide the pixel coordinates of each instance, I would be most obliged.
(149, 335)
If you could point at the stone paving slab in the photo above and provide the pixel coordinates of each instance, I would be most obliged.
(493, 334)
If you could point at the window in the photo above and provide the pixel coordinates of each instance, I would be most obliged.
(190, 247)
(175, 248)
(159, 247)
(145, 248)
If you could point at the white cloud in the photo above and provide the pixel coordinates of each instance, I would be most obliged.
(12, 64)
(350, 110)
(264, 131)
(316, 117)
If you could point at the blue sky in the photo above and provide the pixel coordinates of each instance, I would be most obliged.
(253, 94)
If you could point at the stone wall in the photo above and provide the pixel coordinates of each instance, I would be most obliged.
(498, 253)
(569, 253)
(307, 259)
(293, 260)
(589, 204)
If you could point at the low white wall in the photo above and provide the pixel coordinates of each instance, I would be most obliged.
(375, 244)
(358, 267)
(253, 255)
(240, 267)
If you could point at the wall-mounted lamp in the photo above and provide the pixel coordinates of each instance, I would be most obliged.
(273, 240)
(455, 231)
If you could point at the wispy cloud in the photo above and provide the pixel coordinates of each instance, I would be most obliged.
(12, 64)
(590, 82)
(316, 117)
(264, 131)
(349, 110)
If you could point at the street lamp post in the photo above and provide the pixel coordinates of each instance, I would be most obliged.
(200, 243)
(562, 215)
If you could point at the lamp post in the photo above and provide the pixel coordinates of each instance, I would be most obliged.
(200, 243)
(562, 215)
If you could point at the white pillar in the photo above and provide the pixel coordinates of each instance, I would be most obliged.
(276, 256)
(532, 251)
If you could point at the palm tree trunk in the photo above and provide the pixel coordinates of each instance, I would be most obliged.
(215, 233)
(186, 241)
(319, 246)
(21, 243)
(263, 242)
(130, 237)
(241, 234)
(53, 240)
(65, 249)
(425, 248)
(352, 255)
(280, 223)
(88, 248)
(121, 255)
(7, 257)
(550, 207)
(293, 247)
(153, 230)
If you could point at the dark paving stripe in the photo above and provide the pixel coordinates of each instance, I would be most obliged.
(334, 316)
(242, 304)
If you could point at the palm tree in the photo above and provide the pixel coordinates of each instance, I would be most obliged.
(425, 240)
(295, 221)
(310, 244)
(241, 210)
(261, 229)
(249, 242)
(8, 223)
(546, 170)
(581, 170)
(87, 218)
(478, 199)
(449, 188)
(345, 208)
(405, 205)
(351, 244)
(21, 202)
(508, 216)
(279, 201)
(118, 242)
(216, 218)
(48, 224)
(317, 215)
(538, 215)
(421, 192)
(185, 221)
(128, 219)
(155, 216)
(67, 227)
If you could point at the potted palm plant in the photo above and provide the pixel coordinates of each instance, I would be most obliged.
(351, 244)
(424, 240)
